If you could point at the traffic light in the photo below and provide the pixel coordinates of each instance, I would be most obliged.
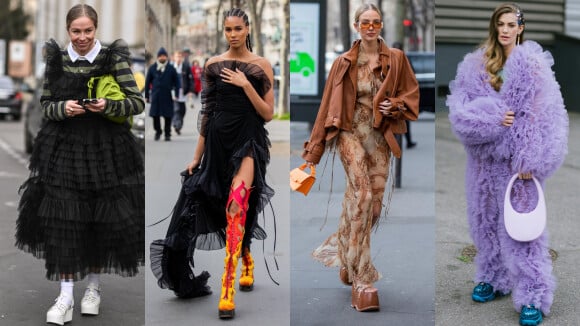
(407, 26)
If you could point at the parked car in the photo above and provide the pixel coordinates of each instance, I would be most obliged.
(10, 99)
(424, 66)
(138, 129)
(33, 118)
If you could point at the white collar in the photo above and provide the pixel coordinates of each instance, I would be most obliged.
(90, 57)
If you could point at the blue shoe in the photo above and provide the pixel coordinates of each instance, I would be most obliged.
(483, 292)
(530, 316)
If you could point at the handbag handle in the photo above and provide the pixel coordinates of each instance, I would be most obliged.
(312, 169)
(528, 226)
(541, 200)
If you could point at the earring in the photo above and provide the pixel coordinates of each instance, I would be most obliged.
(518, 38)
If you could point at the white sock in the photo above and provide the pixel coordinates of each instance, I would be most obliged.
(94, 278)
(66, 287)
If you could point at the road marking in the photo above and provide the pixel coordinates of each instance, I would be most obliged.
(4, 174)
(13, 153)
(11, 204)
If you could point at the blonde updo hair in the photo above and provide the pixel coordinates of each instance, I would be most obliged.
(366, 7)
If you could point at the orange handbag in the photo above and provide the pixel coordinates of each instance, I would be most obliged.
(300, 180)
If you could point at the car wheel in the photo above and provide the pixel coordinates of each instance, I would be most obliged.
(16, 117)
(27, 141)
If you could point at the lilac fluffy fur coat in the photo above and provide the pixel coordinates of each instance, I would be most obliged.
(536, 143)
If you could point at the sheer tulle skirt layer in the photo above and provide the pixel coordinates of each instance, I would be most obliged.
(198, 221)
(82, 208)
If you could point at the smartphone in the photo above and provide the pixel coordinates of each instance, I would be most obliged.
(90, 101)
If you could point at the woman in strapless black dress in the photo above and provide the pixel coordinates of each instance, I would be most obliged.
(224, 188)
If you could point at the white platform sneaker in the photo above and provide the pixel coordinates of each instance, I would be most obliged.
(91, 300)
(60, 312)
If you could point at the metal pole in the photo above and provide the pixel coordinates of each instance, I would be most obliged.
(399, 163)
(345, 25)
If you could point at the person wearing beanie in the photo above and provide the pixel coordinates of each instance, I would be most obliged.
(162, 52)
(161, 86)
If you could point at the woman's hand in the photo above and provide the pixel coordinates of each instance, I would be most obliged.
(97, 107)
(237, 78)
(508, 119)
(192, 165)
(385, 108)
(525, 176)
(73, 108)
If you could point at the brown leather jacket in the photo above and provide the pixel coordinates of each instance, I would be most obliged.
(336, 109)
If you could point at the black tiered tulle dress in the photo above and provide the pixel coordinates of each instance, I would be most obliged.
(233, 130)
(82, 208)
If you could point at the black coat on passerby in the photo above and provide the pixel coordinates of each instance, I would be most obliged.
(186, 78)
(160, 84)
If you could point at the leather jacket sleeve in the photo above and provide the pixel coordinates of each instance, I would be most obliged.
(314, 148)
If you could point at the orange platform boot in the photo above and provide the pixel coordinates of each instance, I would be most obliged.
(247, 276)
(234, 236)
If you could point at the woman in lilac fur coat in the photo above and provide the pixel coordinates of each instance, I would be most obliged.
(506, 108)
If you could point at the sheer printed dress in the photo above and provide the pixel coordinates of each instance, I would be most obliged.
(233, 130)
(366, 158)
(82, 207)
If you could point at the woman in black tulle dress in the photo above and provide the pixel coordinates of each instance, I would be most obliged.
(225, 188)
(82, 208)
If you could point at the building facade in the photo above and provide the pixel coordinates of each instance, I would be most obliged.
(161, 18)
(200, 27)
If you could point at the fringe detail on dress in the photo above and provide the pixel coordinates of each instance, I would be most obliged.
(327, 252)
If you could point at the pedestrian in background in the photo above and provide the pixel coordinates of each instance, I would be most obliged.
(506, 108)
(184, 71)
(186, 52)
(225, 188)
(197, 72)
(162, 84)
(82, 208)
(370, 91)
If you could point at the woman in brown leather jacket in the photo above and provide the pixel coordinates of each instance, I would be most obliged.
(371, 90)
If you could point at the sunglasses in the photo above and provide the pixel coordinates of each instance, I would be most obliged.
(366, 25)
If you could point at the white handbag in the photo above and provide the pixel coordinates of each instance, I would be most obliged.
(524, 226)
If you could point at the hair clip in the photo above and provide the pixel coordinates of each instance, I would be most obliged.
(520, 16)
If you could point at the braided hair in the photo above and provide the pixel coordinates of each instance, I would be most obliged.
(237, 12)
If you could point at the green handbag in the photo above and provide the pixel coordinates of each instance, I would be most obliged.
(108, 88)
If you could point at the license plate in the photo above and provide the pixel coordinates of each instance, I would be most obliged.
(4, 109)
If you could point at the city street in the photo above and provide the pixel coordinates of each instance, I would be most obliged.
(402, 248)
(25, 294)
(454, 276)
(268, 304)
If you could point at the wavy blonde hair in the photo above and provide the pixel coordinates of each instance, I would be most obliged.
(494, 55)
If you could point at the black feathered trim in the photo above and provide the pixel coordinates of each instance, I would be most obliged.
(53, 60)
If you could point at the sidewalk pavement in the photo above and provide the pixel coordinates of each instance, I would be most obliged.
(278, 131)
(453, 304)
(402, 248)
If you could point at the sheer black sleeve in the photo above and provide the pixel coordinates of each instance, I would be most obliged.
(208, 99)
